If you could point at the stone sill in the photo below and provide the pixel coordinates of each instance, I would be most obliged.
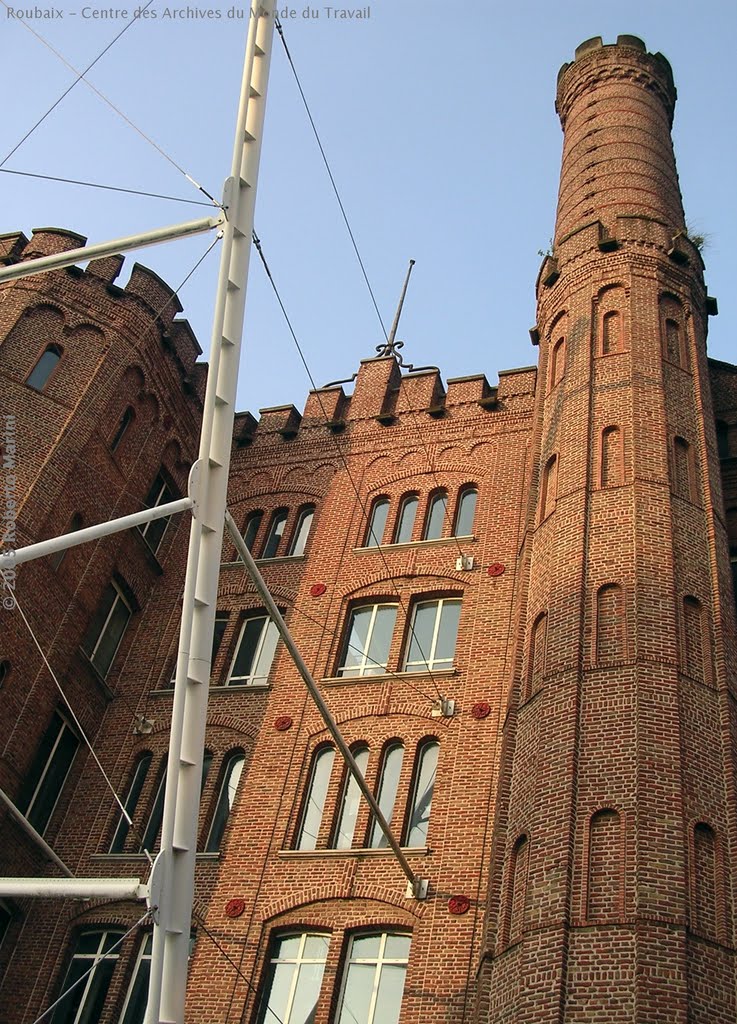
(142, 856)
(381, 677)
(360, 852)
(220, 688)
(438, 542)
(265, 561)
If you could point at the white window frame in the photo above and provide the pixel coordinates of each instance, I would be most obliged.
(428, 664)
(119, 596)
(298, 961)
(379, 960)
(367, 666)
(235, 762)
(308, 840)
(305, 515)
(255, 677)
(95, 959)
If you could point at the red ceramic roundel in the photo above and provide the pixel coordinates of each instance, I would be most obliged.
(317, 589)
(234, 908)
(495, 569)
(482, 709)
(459, 904)
(282, 723)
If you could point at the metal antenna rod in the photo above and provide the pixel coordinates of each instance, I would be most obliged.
(172, 876)
(391, 340)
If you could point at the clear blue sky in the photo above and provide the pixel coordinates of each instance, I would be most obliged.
(439, 124)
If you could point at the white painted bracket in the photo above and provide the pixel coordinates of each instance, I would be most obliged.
(464, 563)
(193, 487)
(417, 890)
(443, 708)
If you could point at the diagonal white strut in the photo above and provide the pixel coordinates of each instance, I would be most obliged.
(173, 871)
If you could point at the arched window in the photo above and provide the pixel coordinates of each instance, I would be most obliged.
(466, 512)
(152, 831)
(315, 796)
(251, 528)
(549, 487)
(536, 660)
(254, 653)
(302, 530)
(386, 793)
(368, 640)
(423, 785)
(275, 534)
(612, 457)
(432, 635)
(135, 787)
(75, 523)
(611, 623)
(373, 982)
(88, 976)
(125, 421)
(294, 978)
(604, 895)
(226, 798)
(611, 333)
(406, 519)
(558, 362)
(673, 342)
(435, 517)
(350, 802)
(377, 523)
(39, 376)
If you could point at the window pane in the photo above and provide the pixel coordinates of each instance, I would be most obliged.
(466, 513)
(112, 634)
(419, 821)
(255, 652)
(295, 978)
(280, 991)
(423, 628)
(252, 527)
(389, 997)
(159, 494)
(359, 986)
(225, 802)
(131, 802)
(221, 622)
(50, 775)
(269, 640)
(369, 640)
(137, 998)
(350, 804)
(5, 918)
(387, 795)
(276, 530)
(364, 946)
(306, 994)
(302, 532)
(433, 635)
(43, 369)
(397, 947)
(374, 980)
(317, 792)
(447, 634)
(153, 827)
(84, 1003)
(406, 520)
(436, 517)
(377, 523)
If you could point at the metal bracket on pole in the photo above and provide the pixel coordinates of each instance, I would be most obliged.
(443, 708)
(414, 885)
(417, 890)
(193, 487)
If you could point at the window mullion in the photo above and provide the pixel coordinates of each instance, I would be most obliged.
(377, 979)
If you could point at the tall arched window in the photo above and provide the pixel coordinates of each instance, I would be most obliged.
(350, 802)
(294, 978)
(435, 516)
(423, 785)
(251, 528)
(612, 457)
(611, 333)
(275, 534)
(517, 892)
(377, 523)
(135, 787)
(315, 796)
(302, 530)
(386, 793)
(558, 362)
(466, 511)
(536, 659)
(125, 421)
(406, 519)
(39, 376)
(226, 798)
(549, 487)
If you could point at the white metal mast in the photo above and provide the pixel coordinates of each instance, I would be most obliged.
(173, 872)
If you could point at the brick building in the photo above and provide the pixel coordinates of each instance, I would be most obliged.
(551, 555)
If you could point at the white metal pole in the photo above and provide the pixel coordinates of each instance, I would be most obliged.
(418, 886)
(75, 888)
(174, 867)
(70, 540)
(93, 252)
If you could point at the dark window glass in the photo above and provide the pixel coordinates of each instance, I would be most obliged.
(302, 530)
(107, 628)
(49, 772)
(466, 512)
(151, 835)
(75, 523)
(136, 1000)
(436, 516)
(276, 532)
(377, 523)
(369, 639)
(39, 375)
(433, 635)
(406, 520)
(250, 530)
(159, 494)
(422, 791)
(4, 670)
(125, 421)
(294, 978)
(255, 652)
(317, 791)
(84, 1004)
(350, 803)
(131, 801)
(373, 983)
(6, 916)
(722, 439)
(391, 767)
(226, 799)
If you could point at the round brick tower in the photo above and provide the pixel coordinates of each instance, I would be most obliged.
(612, 878)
